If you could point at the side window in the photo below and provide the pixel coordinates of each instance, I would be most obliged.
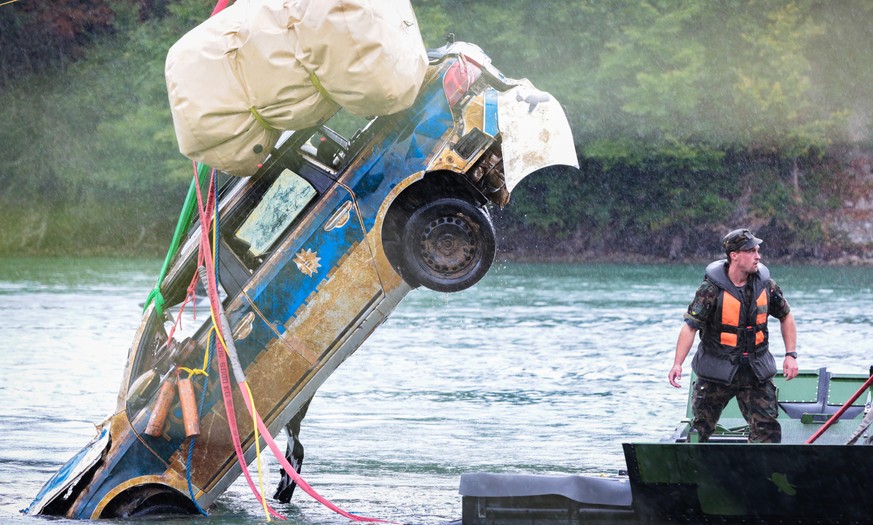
(283, 202)
(333, 144)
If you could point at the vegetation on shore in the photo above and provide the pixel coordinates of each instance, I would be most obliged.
(690, 118)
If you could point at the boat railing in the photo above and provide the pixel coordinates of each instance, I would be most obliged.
(805, 404)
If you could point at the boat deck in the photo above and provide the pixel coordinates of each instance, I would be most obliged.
(805, 404)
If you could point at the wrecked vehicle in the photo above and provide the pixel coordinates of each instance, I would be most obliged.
(313, 252)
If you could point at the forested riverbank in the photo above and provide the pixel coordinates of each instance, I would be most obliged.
(689, 119)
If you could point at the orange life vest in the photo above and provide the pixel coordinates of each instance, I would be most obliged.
(731, 325)
(737, 331)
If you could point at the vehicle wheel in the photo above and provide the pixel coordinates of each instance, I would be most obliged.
(448, 245)
(149, 501)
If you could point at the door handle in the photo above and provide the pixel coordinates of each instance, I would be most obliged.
(340, 217)
(243, 327)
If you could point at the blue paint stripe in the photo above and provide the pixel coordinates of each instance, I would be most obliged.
(490, 117)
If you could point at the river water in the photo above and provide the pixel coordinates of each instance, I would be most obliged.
(541, 369)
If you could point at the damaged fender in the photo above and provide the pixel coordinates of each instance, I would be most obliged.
(66, 479)
(535, 132)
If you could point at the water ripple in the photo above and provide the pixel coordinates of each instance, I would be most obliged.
(539, 369)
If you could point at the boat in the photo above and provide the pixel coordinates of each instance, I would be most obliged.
(819, 473)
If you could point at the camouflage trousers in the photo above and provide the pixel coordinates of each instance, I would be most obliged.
(757, 402)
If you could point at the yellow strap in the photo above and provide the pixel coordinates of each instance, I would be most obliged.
(263, 495)
(258, 450)
(315, 82)
(319, 87)
(217, 332)
(261, 120)
(193, 371)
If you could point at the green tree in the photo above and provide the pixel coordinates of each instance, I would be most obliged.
(684, 114)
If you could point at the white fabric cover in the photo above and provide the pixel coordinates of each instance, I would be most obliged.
(367, 55)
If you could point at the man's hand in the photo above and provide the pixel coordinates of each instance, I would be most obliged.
(789, 339)
(683, 346)
(676, 374)
(789, 367)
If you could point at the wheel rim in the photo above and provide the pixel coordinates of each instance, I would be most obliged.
(448, 245)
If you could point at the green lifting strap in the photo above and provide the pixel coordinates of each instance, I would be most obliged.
(181, 227)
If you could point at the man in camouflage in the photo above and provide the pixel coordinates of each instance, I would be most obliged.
(733, 360)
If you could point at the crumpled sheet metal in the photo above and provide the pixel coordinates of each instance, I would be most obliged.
(535, 133)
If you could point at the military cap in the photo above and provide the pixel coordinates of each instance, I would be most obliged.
(739, 240)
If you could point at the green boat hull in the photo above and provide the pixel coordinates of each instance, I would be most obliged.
(793, 483)
(726, 480)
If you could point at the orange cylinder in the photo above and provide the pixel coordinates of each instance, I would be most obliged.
(188, 401)
(158, 418)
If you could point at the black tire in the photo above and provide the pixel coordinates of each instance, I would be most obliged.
(448, 245)
(148, 501)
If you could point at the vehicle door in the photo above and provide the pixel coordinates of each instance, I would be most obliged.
(313, 279)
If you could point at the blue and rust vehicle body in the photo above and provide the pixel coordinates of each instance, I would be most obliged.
(314, 252)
